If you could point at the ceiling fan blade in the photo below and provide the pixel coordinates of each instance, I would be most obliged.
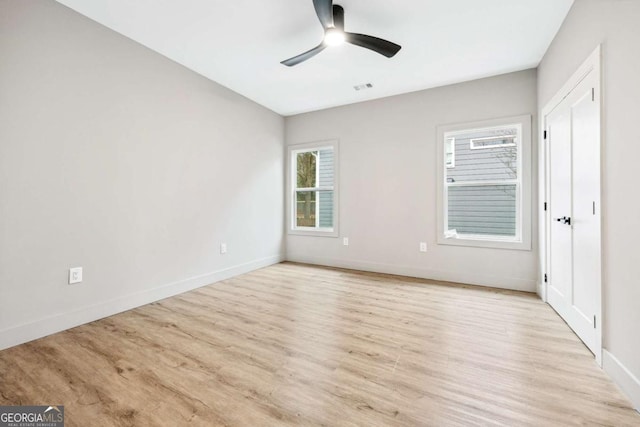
(381, 46)
(324, 10)
(304, 56)
(338, 17)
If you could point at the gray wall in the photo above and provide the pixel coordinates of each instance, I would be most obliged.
(388, 182)
(119, 160)
(614, 23)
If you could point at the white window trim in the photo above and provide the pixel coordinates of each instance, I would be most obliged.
(522, 241)
(292, 151)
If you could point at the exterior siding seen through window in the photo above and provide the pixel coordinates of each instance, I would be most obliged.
(478, 202)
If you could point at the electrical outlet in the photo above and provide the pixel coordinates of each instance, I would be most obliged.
(423, 246)
(345, 241)
(75, 275)
(223, 248)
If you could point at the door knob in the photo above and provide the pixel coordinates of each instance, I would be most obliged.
(564, 220)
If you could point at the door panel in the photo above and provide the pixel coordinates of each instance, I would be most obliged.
(574, 178)
(586, 189)
(560, 205)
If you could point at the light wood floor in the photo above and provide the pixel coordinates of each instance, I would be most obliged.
(301, 345)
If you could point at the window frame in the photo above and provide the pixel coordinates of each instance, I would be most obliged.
(522, 241)
(292, 190)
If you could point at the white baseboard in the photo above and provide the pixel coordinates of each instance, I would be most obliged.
(20, 334)
(510, 283)
(620, 375)
(541, 290)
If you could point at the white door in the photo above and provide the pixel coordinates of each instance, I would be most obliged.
(573, 137)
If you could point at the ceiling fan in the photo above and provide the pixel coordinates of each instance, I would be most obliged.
(332, 19)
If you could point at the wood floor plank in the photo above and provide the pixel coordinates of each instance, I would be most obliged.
(295, 344)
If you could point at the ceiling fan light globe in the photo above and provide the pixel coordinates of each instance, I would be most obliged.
(334, 37)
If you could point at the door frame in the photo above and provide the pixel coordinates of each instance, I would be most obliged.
(592, 64)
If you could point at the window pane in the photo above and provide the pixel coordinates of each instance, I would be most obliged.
(305, 209)
(450, 152)
(489, 163)
(311, 204)
(482, 210)
(325, 209)
(325, 161)
(306, 165)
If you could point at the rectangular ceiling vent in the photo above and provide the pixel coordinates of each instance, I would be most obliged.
(363, 87)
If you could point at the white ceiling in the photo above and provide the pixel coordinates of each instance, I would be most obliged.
(240, 43)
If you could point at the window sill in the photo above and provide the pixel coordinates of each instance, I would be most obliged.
(481, 242)
(333, 232)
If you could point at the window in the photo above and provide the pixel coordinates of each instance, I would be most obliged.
(313, 189)
(484, 179)
(450, 153)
